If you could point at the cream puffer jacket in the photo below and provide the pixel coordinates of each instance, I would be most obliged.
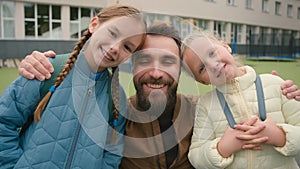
(211, 123)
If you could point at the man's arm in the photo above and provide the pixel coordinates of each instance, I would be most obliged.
(37, 65)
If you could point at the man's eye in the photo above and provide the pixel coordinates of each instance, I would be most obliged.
(143, 62)
(168, 62)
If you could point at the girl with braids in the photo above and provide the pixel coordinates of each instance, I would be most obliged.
(73, 127)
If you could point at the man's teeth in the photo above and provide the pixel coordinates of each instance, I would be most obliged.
(155, 86)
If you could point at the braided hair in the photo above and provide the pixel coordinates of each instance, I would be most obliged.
(103, 16)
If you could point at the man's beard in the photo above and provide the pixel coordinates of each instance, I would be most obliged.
(156, 102)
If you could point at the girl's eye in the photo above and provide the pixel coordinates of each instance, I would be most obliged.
(128, 48)
(112, 33)
(211, 53)
(202, 69)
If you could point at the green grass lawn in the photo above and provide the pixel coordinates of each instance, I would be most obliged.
(7, 76)
(286, 70)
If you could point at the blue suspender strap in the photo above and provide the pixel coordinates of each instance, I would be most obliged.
(260, 99)
(226, 109)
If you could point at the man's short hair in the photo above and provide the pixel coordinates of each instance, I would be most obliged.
(165, 30)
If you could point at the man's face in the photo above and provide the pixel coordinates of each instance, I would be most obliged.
(156, 70)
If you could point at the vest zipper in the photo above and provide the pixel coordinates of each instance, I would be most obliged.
(245, 115)
(244, 112)
(78, 129)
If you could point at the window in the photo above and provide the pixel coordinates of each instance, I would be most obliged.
(275, 37)
(201, 24)
(250, 34)
(56, 22)
(265, 6)
(236, 33)
(211, 0)
(290, 10)
(298, 13)
(248, 4)
(42, 21)
(286, 35)
(230, 2)
(220, 29)
(7, 21)
(263, 36)
(278, 8)
(79, 21)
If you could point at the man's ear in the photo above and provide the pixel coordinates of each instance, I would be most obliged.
(94, 24)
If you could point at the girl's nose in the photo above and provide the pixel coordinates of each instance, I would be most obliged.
(213, 65)
(114, 50)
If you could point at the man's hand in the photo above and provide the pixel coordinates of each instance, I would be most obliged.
(289, 89)
(37, 65)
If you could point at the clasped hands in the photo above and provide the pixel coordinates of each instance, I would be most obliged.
(251, 134)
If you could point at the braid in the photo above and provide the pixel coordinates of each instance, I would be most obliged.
(115, 97)
(61, 76)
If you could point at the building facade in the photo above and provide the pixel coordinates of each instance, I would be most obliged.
(258, 27)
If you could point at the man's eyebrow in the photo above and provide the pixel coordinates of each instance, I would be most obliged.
(169, 56)
(140, 55)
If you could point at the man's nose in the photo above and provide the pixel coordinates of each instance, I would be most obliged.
(156, 72)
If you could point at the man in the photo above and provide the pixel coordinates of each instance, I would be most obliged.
(159, 121)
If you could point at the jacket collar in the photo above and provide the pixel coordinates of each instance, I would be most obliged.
(83, 66)
(243, 82)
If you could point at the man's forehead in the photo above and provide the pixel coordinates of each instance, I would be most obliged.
(160, 43)
(156, 52)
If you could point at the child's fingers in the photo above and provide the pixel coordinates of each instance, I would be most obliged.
(251, 121)
(255, 141)
(242, 127)
(252, 147)
(256, 129)
(245, 137)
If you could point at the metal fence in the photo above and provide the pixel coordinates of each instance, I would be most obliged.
(271, 45)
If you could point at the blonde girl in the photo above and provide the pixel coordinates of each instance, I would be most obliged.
(73, 127)
(243, 135)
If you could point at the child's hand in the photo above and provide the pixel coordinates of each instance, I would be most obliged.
(275, 135)
(230, 143)
(251, 135)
